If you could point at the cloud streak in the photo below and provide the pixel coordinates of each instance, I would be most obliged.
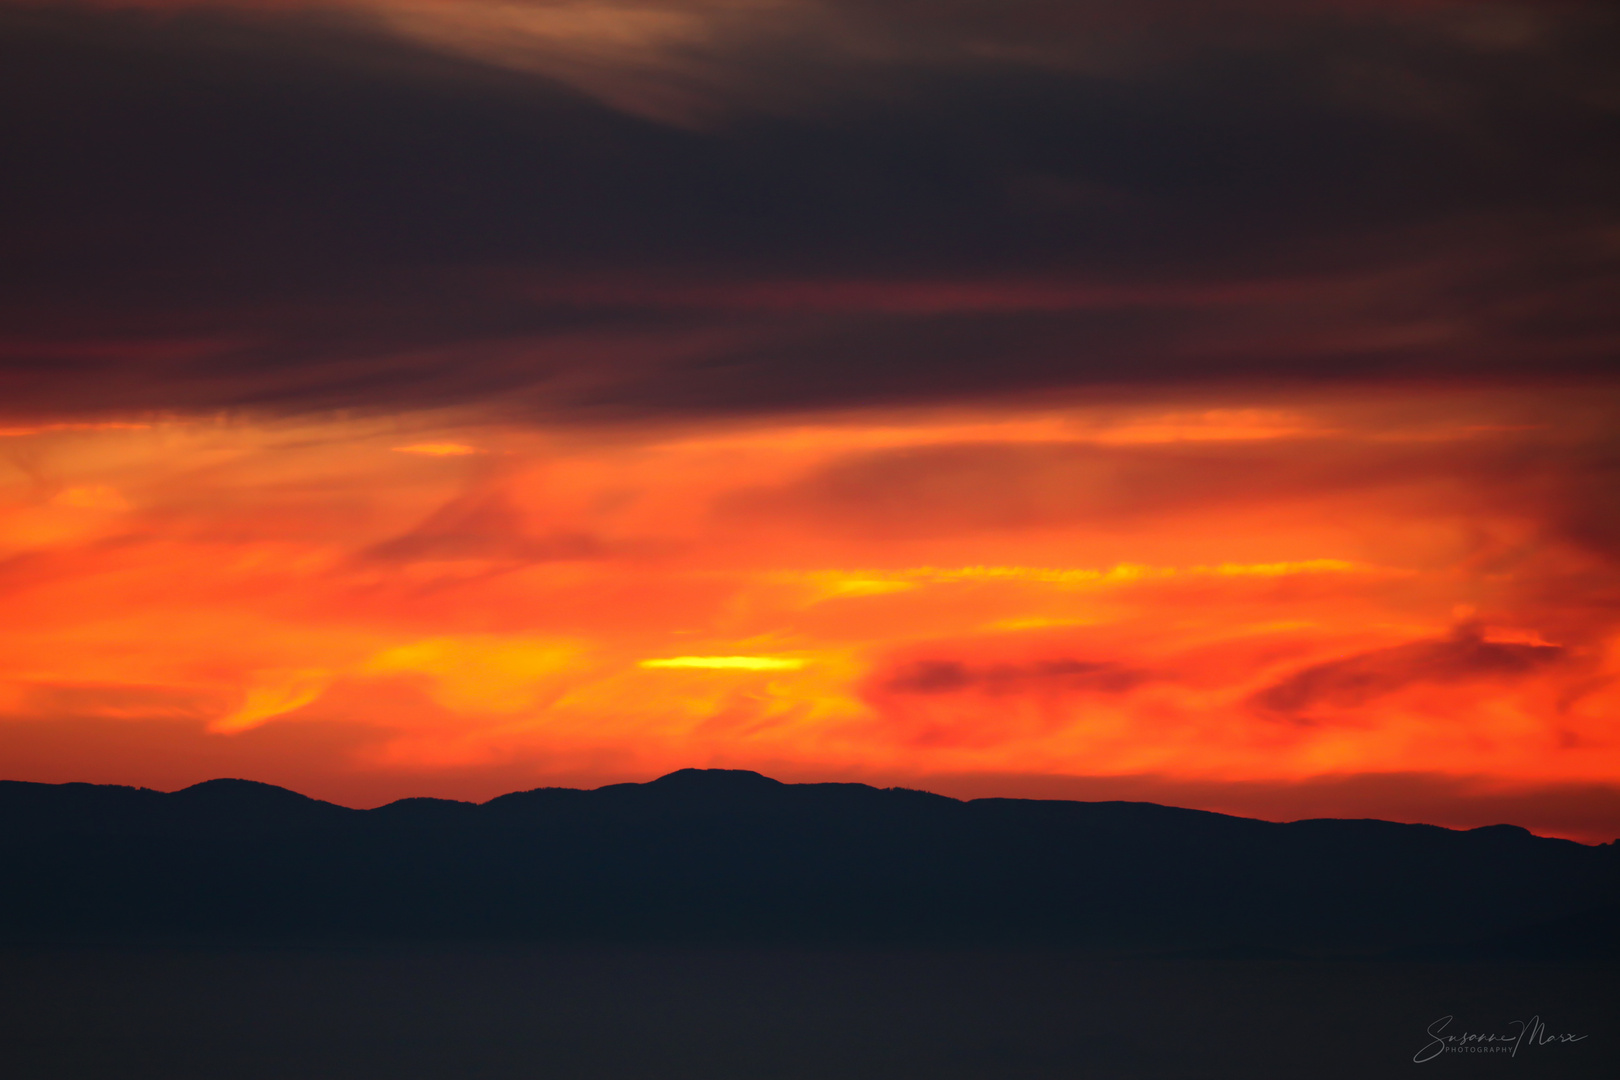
(1358, 680)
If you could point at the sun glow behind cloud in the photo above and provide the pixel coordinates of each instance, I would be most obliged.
(906, 594)
(437, 449)
(724, 663)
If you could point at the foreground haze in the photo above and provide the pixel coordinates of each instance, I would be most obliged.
(1209, 404)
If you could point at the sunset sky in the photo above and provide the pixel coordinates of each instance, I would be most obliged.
(1204, 402)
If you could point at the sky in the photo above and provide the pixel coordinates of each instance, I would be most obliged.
(1211, 403)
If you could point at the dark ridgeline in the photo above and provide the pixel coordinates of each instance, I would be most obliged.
(722, 855)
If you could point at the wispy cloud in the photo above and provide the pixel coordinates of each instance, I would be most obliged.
(1255, 610)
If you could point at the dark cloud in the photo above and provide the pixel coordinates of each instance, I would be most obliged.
(919, 700)
(214, 208)
(1357, 680)
(1050, 676)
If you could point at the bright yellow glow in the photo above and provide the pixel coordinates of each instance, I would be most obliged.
(438, 449)
(727, 663)
(841, 583)
(1282, 569)
(273, 694)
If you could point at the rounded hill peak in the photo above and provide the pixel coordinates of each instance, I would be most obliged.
(716, 780)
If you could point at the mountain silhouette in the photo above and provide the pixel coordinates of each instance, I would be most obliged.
(729, 855)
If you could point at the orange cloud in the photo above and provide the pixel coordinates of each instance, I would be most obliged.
(874, 593)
